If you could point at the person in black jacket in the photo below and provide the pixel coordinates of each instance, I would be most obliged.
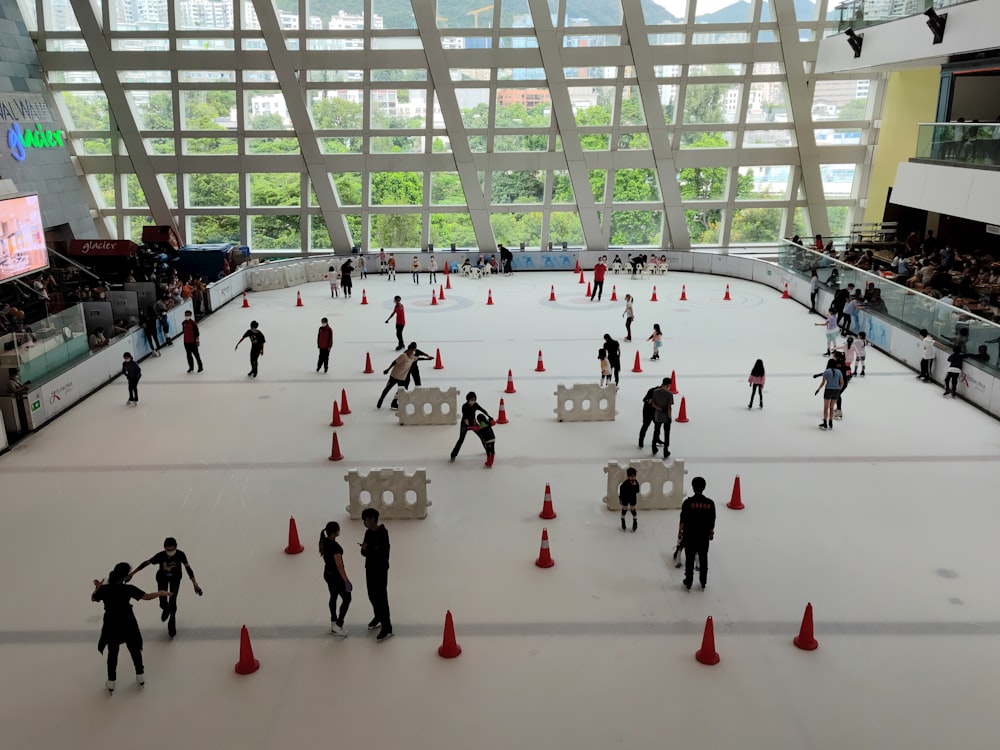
(346, 282)
(696, 530)
(469, 409)
(149, 328)
(375, 550)
(257, 342)
(647, 414)
(120, 625)
(335, 575)
(614, 350)
(168, 577)
(132, 373)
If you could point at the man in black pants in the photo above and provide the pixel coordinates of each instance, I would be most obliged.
(375, 550)
(192, 340)
(257, 342)
(168, 578)
(663, 406)
(696, 530)
(647, 414)
(414, 372)
(469, 409)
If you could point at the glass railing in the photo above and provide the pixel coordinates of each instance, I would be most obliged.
(859, 14)
(46, 346)
(902, 306)
(960, 143)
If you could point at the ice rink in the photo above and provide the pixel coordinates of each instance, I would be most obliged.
(887, 525)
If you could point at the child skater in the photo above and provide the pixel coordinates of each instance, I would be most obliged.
(657, 338)
(484, 428)
(132, 373)
(629, 316)
(433, 270)
(756, 381)
(860, 352)
(333, 275)
(628, 495)
(832, 331)
(602, 357)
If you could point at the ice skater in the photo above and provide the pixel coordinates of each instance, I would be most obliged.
(257, 342)
(833, 381)
(484, 430)
(662, 402)
(860, 354)
(333, 276)
(192, 341)
(695, 531)
(629, 316)
(756, 381)
(398, 372)
(614, 350)
(375, 550)
(956, 361)
(832, 331)
(469, 412)
(120, 626)
(657, 338)
(628, 496)
(324, 342)
(346, 280)
(602, 359)
(415, 269)
(132, 373)
(399, 313)
(335, 575)
(168, 578)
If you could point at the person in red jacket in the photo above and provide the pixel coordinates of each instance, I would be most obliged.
(192, 340)
(400, 315)
(600, 268)
(324, 340)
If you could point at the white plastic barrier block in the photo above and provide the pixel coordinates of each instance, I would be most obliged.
(585, 403)
(427, 406)
(661, 483)
(295, 274)
(392, 492)
(316, 270)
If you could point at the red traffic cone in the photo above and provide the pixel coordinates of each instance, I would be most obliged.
(434, 298)
(726, 296)
(736, 501)
(673, 382)
(707, 654)
(335, 454)
(805, 639)
(544, 556)
(548, 512)
(785, 294)
(614, 293)
(336, 421)
(552, 294)
(582, 280)
(368, 364)
(294, 545)
(441, 292)
(577, 269)
(588, 289)
(449, 648)
(653, 298)
(438, 365)
(682, 414)
(447, 282)
(489, 297)
(502, 414)
(684, 294)
(447, 269)
(247, 664)
(364, 297)
(298, 299)
(637, 367)
(540, 367)
(246, 302)
(510, 382)
(344, 407)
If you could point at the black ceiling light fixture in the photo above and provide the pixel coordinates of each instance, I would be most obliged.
(936, 23)
(855, 40)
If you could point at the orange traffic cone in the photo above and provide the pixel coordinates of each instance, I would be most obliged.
(246, 302)
(653, 298)
(447, 282)
(247, 663)
(548, 512)
(335, 454)
(434, 297)
(588, 289)
(673, 382)
(447, 269)
(540, 367)
(614, 293)
(368, 364)
(682, 414)
(736, 501)
(489, 297)
(344, 407)
(684, 294)
(544, 556)
(707, 654)
(294, 545)
(364, 297)
(726, 296)
(449, 648)
(298, 299)
(441, 292)
(438, 364)
(502, 414)
(582, 280)
(637, 367)
(577, 269)
(510, 382)
(336, 421)
(552, 294)
(785, 294)
(805, 639)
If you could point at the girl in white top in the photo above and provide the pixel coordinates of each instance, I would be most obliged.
(363, 267)
(629, 316)
(415, 268)
(657, 338)
(860, 352)
(433, 269)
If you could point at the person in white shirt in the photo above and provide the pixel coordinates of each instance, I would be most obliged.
(433, 270)
(415, 269)
(860, 352)
(926, 356)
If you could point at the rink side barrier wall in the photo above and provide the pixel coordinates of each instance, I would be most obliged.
(657, 474)
(392, 492)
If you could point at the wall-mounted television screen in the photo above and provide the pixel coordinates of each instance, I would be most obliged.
(22, 238)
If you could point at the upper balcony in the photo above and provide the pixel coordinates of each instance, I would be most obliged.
(893, 34)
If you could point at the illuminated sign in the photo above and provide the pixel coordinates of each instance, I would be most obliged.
(20, 141)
